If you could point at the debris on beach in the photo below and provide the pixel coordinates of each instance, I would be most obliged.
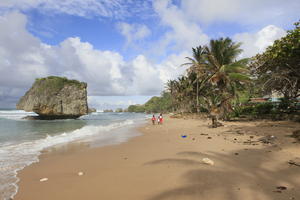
(281, 187)
(209, 137)
(240, 132)
(269, 139)
(250, 142)
(43, 179)
(80, 173)
(295, 162)
(208, 161)
(183, 136)
(296, 135)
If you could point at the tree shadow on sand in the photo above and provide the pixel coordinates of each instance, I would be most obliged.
(235, 174)
(175, 161)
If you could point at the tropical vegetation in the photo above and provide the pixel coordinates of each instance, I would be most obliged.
(220, 84)
(278, 68)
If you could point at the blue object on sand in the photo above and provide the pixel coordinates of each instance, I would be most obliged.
(183, 136)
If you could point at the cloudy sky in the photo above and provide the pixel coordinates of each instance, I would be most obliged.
(124, 49)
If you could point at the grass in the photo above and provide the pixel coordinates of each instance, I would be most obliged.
(54, 84)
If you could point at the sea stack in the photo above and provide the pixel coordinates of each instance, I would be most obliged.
(56, 98)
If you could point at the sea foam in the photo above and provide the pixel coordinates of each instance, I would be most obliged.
(15, 114)
(16, 156)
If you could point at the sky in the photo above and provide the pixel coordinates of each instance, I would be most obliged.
(126, 50)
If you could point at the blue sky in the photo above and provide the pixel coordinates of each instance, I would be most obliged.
(125, 50)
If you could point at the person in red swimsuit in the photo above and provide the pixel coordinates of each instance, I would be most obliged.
(160, 119)
(153, 120)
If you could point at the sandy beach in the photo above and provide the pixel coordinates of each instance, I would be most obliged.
(163, 165)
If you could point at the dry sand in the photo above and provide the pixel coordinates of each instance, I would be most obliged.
(161, 165)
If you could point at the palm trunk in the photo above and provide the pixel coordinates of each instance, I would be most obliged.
(214, 122)
(197, 96)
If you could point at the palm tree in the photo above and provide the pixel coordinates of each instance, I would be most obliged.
(171, 87)
(227, 74)
(198, 65)
(213, 78)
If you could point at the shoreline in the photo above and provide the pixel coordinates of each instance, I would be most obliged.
(112, 134)
(160, 164)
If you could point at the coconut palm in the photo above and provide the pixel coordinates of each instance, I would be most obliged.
(197, 65)
(214, 77)
(228, 75)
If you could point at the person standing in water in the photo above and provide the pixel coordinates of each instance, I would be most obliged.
(153, 119)
(160, 119)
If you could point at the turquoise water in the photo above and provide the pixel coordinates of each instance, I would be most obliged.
(21, 141)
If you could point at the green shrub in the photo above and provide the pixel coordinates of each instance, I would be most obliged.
(264, 108)
(53, 84)
(254, 109)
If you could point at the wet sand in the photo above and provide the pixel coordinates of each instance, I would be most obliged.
(163, 165)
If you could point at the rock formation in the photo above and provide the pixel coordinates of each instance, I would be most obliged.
(56, 98)
(92, 110)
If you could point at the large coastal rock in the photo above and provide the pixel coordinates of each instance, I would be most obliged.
(56, 98)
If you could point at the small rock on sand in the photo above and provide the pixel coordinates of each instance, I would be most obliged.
(295, 162)
(296, 134)
(281, 187)
(208, 161)
(80, 173)
(43, 179)
(269, 139)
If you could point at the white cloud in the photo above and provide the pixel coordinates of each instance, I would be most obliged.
(84, 8)
(20, 52)
(171, 68)
(146, 76)
(184, 33)
(186, 19)
(242, 11)
(23, 58)
(253, 43)
(133, 32)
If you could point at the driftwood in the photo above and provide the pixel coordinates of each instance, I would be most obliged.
(295, 162)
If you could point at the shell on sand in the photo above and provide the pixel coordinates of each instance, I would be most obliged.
(208, 161)
(43, 179)
(80, 173)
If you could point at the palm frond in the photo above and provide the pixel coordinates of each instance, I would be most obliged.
(238, 77)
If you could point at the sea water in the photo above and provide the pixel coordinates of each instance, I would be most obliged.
(21, 141)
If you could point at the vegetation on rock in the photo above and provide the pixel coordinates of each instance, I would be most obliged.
(54, 84)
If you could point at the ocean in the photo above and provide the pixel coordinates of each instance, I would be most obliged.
(21, 141)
